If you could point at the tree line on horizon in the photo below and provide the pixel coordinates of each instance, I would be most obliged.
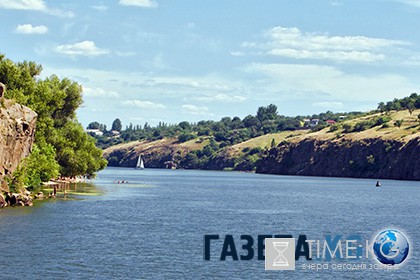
(228, 131)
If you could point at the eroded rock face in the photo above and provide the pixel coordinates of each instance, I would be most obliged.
(365, 158)
(17, 133)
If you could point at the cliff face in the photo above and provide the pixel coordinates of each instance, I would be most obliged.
(364, 158)
(17, 132)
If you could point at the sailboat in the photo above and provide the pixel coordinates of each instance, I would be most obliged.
(140, 163)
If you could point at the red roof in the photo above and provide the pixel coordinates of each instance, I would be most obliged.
(330, 122)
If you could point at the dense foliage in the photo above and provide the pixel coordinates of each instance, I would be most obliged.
(61, 145)
(409, 103)
(228, 131)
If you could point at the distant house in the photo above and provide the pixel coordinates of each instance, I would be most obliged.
(330, 122)
(314, 122)
(342, 118)
(115, 133)
(96, 132)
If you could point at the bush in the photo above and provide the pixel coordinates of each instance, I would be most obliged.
(363, 125)
(335, 127)
(255, 150)
(382, 120)
(347, 128)
(184, 137)
(319, 127)
(246, 149)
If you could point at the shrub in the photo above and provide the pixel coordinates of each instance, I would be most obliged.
(335, 127)
(363, 125)
(255, 150)
(184, 137)
(347, 128)
(319, 127)
(382, 120)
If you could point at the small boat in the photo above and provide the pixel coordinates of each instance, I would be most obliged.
(140, 163)
(378, 184)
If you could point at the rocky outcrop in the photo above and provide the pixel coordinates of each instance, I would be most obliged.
(19, 199)
(17, 132)
(364, 158)
(3, 202)
(312, 154)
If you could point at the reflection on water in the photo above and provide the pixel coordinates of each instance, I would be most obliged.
(153, 227)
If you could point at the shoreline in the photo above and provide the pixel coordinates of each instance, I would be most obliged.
(55, 188)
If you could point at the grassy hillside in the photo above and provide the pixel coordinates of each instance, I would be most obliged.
(204, 152)
(374, 146)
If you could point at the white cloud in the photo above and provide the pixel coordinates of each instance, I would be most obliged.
(328, 104)
(85, 48)
(413, 60)
(237, 53)
(413, 3)
(330, 81)
(29, 29)
(142, 104)
(139, 3)
(34, 5)
(196, 110)
(290, 42)
(99, 93)
(221, 98)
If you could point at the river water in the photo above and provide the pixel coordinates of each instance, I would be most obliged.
(154, 226)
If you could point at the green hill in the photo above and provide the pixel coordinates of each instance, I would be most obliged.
(395, 128)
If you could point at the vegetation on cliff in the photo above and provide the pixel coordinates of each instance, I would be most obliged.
(61, 145)
(188, 147)
(226, 132)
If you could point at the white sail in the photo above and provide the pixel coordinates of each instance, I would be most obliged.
(140, 163)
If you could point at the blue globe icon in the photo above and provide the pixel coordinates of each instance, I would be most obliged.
(391, 247)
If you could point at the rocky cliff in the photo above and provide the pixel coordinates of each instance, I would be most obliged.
(362, 158)
(17, 132)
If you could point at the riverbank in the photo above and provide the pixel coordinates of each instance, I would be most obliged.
(56, 188)
(372, 146)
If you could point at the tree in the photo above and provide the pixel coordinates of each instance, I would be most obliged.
(55, 101)
(184, 137)
(267, 113)
(398, 123)
(41, 165)
(381, 107)
(184, 125)
(77, 153)
(116, 125)
(93, 125)
(410, 106)
(273, 143)
(250, 121)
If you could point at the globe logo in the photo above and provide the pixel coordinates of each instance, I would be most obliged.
(391, 247)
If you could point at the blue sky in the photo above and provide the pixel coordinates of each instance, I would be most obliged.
(174, 60)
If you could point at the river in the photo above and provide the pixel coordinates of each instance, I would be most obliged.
(153, 227)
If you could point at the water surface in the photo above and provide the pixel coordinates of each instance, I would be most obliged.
(153, 227)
